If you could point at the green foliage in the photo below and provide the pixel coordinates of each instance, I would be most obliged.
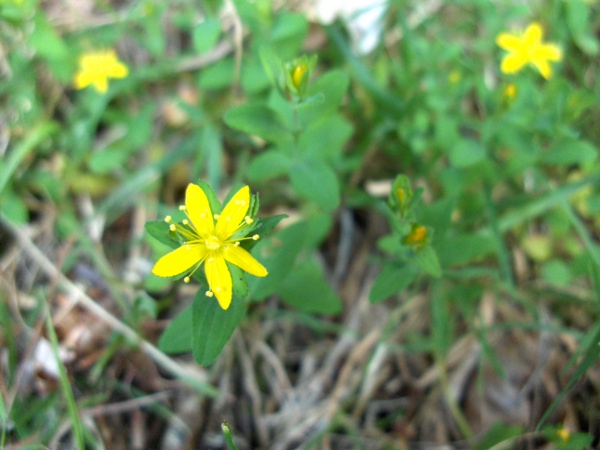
(492, 179)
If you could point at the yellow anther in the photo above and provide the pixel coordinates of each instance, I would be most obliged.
(186, 280)
(209, 294)
(248, 220)
(172, 227)
(210, 260)
(188, 247)
(168, 219)
(255, 237)
(216, 216)
(185, 222)
(236, 244)
(218, 289)
(228, 219)
(182, 208)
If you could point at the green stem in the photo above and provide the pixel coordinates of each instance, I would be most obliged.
(228, 436)
(64, 382)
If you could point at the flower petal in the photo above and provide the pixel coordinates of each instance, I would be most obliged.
(83, 79)
(233, 213)
(117, 70)
(509, 42)
(199, 211)
(101, 84)
(543, 66)
(244, 260)
(179, 260)
(219, 279)
(550, 52)
(533, 34)
(513, 62)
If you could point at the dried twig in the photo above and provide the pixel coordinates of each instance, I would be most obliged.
(194, 378)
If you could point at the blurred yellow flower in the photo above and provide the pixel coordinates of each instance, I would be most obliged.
(454, 77)
(96, 68)
(205, 241)
(528, 48)
(563, 434)
(417, 235)
(510, 91)
(298, 74)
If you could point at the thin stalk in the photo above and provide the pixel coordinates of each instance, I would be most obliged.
(64, 382)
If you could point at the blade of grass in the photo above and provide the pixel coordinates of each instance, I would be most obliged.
(22, 149)
(64, 382)
(591, 357)
(502, 253)
(442, 338)
(581, 231)
(228, 436)
(538, 206)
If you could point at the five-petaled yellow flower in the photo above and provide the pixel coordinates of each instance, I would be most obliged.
(213, 244)
(528, 48)
(97, 67)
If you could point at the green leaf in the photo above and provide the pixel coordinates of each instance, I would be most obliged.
(288, 33)
(206, 35)
(427, 259)
(253, 77)
(46, 41)
(238, 278)
(569, 153)
(13, 207)
(217, 76)
(578, 21)
(392, 279)
(497, 434)
(466, 152)
(159, 230)
(306, 289)
(463, 249)
(332, 86)
(213, 201)
(212, 326)
(258, 120)
(316, 181)
(277, 254)
(106, 160)
(268, 224)
(325, 139)
(272, 64)
(269, 164)
(177, 337)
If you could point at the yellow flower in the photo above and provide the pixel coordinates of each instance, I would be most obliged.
(528, 48)
(97, 67)
(205, 241)
(417, 235)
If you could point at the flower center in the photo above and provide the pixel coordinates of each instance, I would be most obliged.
(213, 243)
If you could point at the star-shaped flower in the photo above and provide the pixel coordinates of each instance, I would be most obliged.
(213, 244)
(97, 67)
(528, 48)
